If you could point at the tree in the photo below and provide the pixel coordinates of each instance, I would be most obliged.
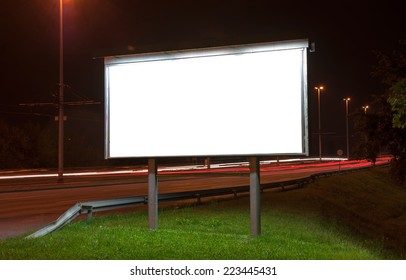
(15, 145)
(397, 100)
(366, 127)
(391, 68)
(391, 119)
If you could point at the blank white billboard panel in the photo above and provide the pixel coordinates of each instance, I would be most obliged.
(239, 100)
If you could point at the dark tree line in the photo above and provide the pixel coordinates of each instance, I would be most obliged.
(384, 128)
(34, 145)
(15, 146)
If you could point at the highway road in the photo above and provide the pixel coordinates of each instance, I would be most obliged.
(30, 200)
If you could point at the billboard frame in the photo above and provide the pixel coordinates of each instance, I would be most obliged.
(206, 52)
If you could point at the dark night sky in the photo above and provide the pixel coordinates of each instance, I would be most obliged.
(345, 32)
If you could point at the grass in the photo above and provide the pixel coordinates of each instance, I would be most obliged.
(354, 216)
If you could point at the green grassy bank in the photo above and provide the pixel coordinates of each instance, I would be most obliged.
(354, 216)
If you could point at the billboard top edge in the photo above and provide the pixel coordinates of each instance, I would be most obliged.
(222, 50)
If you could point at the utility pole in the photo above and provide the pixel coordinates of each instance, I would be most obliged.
(60, 96)
(60, 103)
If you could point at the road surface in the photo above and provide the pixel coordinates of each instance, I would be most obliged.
(28, 202)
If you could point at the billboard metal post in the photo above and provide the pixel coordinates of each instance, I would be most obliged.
(255, 195)
(152, 194)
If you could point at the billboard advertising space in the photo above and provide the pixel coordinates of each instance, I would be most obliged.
(233, 100)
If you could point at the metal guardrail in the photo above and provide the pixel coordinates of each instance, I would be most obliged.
(103, 205)
(64, 219)
(87, 208)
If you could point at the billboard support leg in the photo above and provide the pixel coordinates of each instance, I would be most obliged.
(152, 194)
(255, 196)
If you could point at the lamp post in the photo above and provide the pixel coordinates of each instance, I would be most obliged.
(319, 89)
(60, 99)
(347, 100)
(365, 108)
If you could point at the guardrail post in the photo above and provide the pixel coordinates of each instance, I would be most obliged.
(90, 214)
(255, 197)
(235, 194)
(199, 199)
(152, 194)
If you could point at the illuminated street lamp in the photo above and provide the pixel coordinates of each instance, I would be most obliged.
(347, 100)
(319, 89)
(60, 99)
(365, 108)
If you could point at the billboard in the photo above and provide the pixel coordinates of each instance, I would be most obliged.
(234, 100)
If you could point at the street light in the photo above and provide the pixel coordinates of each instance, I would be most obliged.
(347, 100)
(319, 89)
(365, 108)
(60, 99)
